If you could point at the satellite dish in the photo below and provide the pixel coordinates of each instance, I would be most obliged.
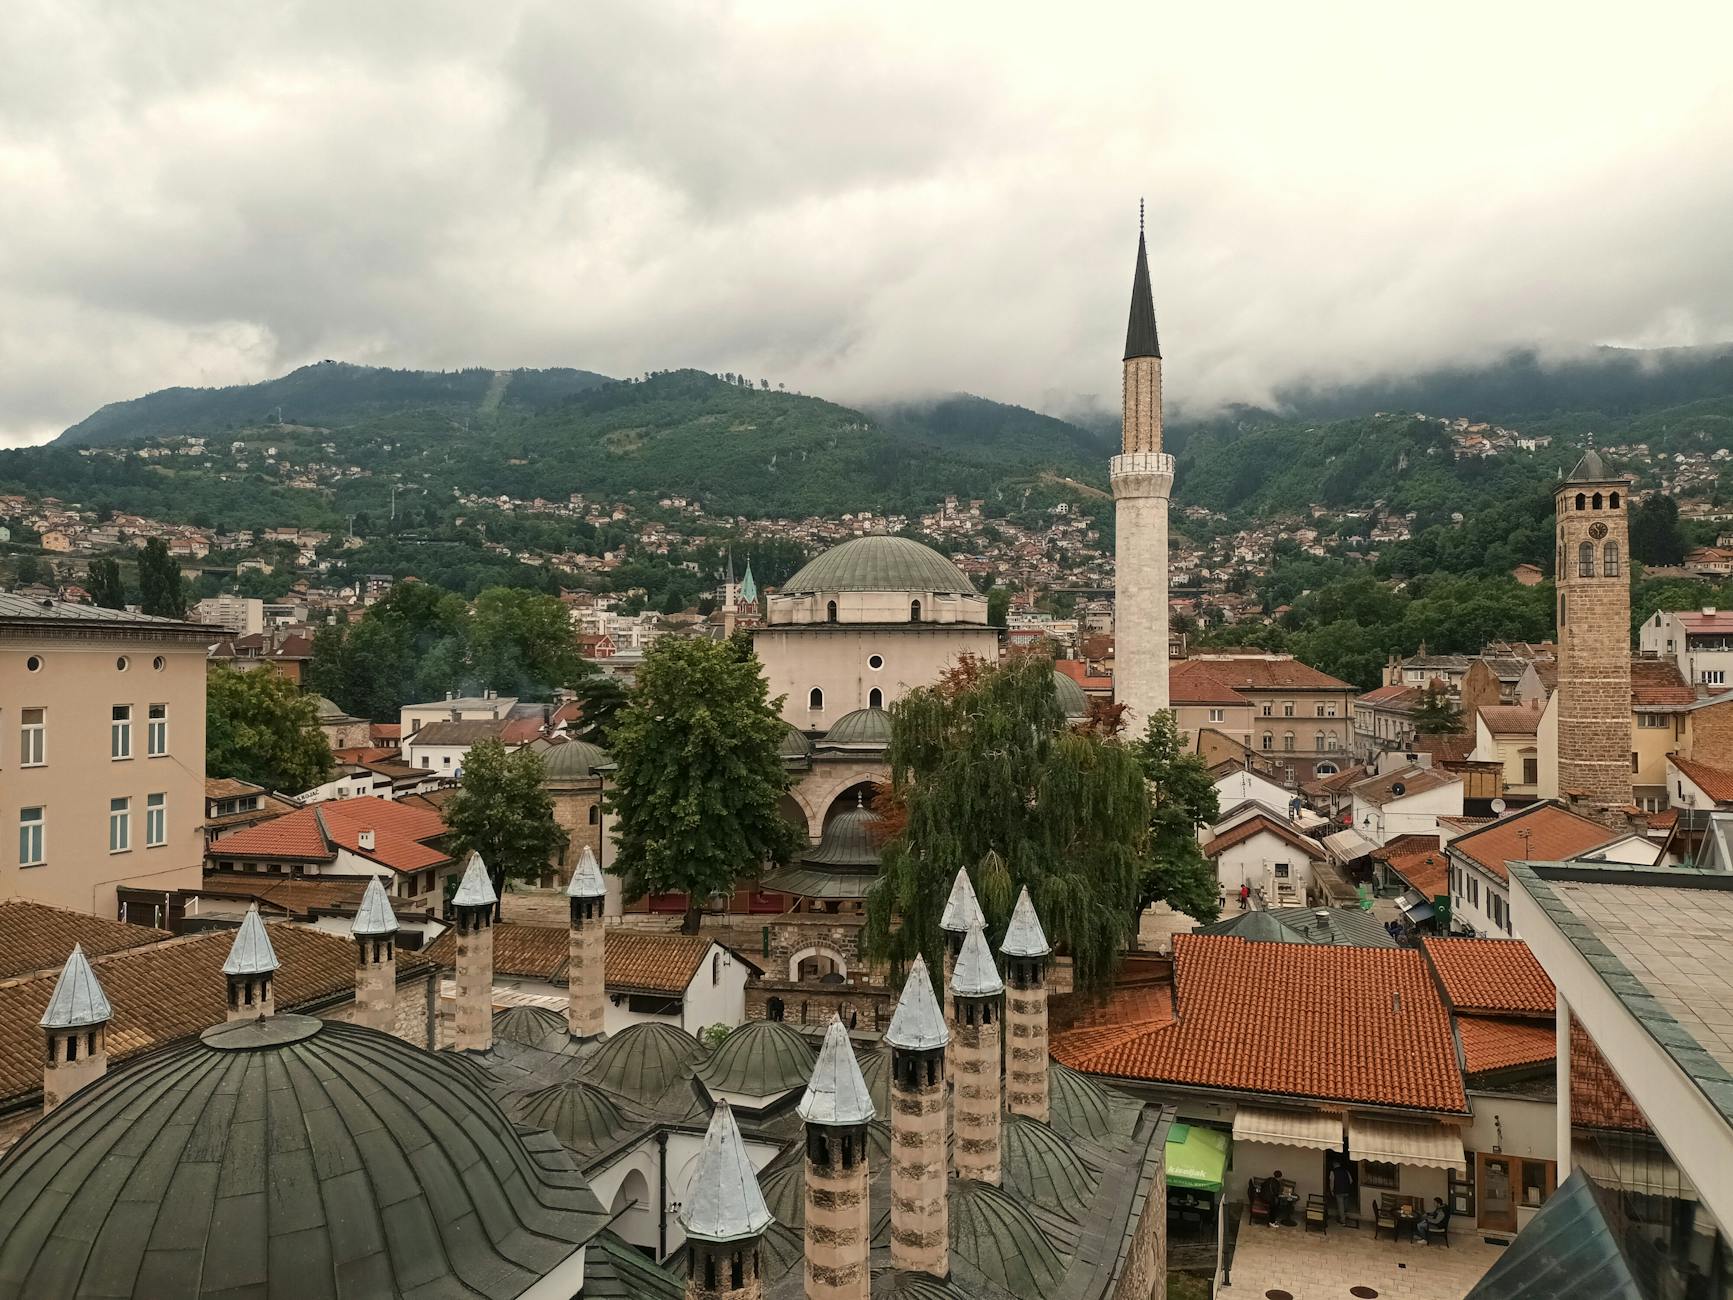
(1398, 789)
(1498, 807)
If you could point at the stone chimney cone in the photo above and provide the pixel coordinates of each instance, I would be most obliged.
(1026, 949)
(375, 932)
(725, 1217)
(837, 1108)
(74, 1032)
(962, 910)
(920, 1212)
(586, 994)
(979, 995)
(251, 970)
(474, 903)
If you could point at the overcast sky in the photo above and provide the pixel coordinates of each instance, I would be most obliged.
(861, 201)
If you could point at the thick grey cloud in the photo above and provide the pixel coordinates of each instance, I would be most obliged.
(865, 202)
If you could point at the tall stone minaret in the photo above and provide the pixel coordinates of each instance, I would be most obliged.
(1593, 574)
(837, 1109)
(1142, 478)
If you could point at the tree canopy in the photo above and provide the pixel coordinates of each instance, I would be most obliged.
(990, 780)
(260, 727)
(698, 774)
(161, 589)
(502, 811)
(105, 584)
(1182, 798)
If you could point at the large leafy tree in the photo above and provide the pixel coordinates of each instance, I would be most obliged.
(260, 727)
(601, 698)
(1183, 799)
(105, 584)
(991, 780)
(1657, 536)
(698, 774)
(503, 812)
(1437, 714)
(161, 589)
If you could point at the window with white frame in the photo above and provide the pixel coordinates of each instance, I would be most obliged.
(1714, 677)
(156, 731)
(1287, 708)
(119, 825)
(155, 820)
(30, 837)
(33, 737)
(1218, 715)
(120, 732)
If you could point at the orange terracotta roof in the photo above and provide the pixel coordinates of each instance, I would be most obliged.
(1394, 695)
(400, 834)
(1405, 846)
(167, 992)
(1260, 673)
(1494, 976)
(1301, 1020)
(1598, 1099)
(228, 787)
(1380, 790)
(1657, 683)
(1664, 820)
(1553, 834)
(1426, 871)
(1490, 1043)
(1191, 681)
(385, 733)
(1715, 782)
(1127, 1012)
(1445, 749)
(1258, 825)
(295, 895)
(651, 961)
(37, 937)
(1510, 719)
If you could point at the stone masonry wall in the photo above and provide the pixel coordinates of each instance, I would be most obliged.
(1594, 675)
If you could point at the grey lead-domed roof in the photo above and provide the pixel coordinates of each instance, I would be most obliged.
(975, 975)
(287, 1156)
(251, 952)
(848, 840)
(861, 729)
(573, 761)
(1024, 937)
(962, 908)
(880, 563)
(374, 916)
(1072, 700)
(794, 743)
(78, 1000)
(993, 1233)
(583, 1117)
(646, 1063)
(761, 1058)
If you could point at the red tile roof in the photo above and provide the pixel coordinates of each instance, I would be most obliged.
(1715, 782)
(1490, 1043)
(1192, 681)
(1300, 1020)
(1510, 719)
(1598, 1099)
(1656, 683)
(1492, 976)
(651, 961)
(1261, 673)
(1380, 790)
(1697, 621)
(401, 834)
(1445, 749)
(37, 937)
(1128, 1012)
(1426, 871)
(1553, 833)
(1258, 825)
(1395, 695)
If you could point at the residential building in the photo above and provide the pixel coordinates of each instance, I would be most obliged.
(242, 615)
(232, 804)
(1384, 720)
(1268, 856)
(1200, 699)
(1699, 641)
(1508, 735)
(440, 747)
(489, 707)
(1302, 719)
(102, 770)
(1406, 801)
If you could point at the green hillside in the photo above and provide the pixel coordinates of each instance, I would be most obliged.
(327, 394)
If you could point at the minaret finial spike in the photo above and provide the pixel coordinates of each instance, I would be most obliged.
(1140, 216)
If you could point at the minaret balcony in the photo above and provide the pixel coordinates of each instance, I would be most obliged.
(1141, 474)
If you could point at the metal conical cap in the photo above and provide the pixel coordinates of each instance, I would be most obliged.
(476, 889)
(374, 916)
(587, 879)
(251, 953)
(78, 998)
(918, 1025)
(962, 909)
(974, 975)
(837, 1093)
(724, 1202)
(1025, 937)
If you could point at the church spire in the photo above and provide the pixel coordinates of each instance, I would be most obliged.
(1140, 338)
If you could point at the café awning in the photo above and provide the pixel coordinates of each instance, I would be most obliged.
(1348, 846)
(1289, 1128)
(1402, 1142)
(1415, 906)
(1197, 1157)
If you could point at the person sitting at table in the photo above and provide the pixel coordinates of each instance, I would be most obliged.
(1435, 1223)
(1277, 1198)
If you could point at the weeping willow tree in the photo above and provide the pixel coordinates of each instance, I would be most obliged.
(986, 775)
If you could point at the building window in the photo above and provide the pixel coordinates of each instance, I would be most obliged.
(1269, 741)
(1610, 560)
(1652, 720)
(914, 611)
(33, 738)
(875, 698)
(1288, 742)
(1612, 501)
(1332, 743)
(1714, 677)
(1535, 1181)
(1287, 708)
(30, 824)
(815, 698)
(1561, 609)
(1281, 871)
(1378, 1174)
(1268, 710)
(1319, 709)
(1596, 500)
(155, 820)
(1325, 769)
(875, 662)
(1330, 709)
(1218, 715)
(830, 612)
(1318, 742)
(1634, 762)
(119, 825)
(1582, 501)
(1530, 770)
(1586, 560)
(156, 731)
(595, 814)
(715, 968)
(120, 732)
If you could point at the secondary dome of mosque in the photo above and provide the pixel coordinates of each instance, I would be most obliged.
(1070, 695)
(861, 727)
(575, 758)
(372, 1134)
(880, 563)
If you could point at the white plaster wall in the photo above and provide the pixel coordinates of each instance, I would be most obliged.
(1253, 863)
(443, 760)
(1237, 787)
(1414, 814)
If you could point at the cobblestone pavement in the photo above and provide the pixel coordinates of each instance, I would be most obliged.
(1325, 1266)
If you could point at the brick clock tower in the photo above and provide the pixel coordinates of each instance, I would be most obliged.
(1594, 639)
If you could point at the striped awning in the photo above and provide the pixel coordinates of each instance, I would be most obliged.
(1288, 1128)
(1401, 1142)
(1633, 1164)
(1348, 846)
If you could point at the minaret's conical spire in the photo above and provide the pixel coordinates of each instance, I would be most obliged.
(78, 999)
(724, 1203)
(1140, 337)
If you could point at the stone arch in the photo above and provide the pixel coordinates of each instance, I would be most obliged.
(876, 697)
(1596, 500)
(819, 955)
(794, 806)
(827, 783)
(1612, 500)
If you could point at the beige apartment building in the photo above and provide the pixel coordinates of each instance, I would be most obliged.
(102, 753)
(1301, 720)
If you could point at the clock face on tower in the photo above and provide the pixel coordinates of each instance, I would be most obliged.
(1597, 530)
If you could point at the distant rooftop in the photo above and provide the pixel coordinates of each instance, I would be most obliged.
(25, 609)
